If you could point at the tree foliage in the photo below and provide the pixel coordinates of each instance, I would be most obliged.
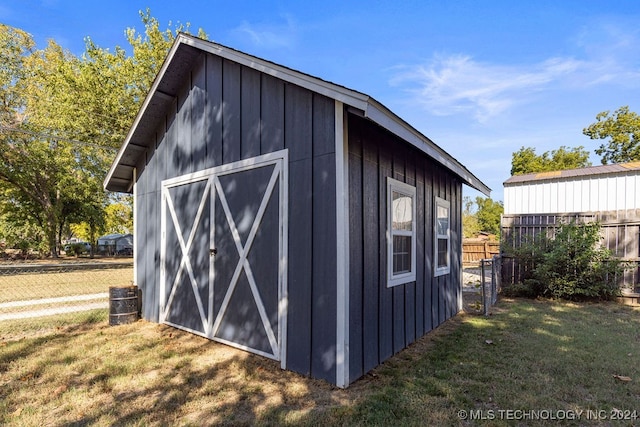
(489, 215)
(526, 160)
(470, 227)
(623, 129)
(61, 120)
(485, 217)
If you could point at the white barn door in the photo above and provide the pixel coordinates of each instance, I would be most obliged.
(223, 254)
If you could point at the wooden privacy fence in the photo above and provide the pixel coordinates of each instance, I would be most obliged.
(474, 250)
(620, 232)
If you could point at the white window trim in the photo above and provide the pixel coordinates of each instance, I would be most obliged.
(408, 190)
(440, 271)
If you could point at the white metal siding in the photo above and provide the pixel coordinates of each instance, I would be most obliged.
(586, 194)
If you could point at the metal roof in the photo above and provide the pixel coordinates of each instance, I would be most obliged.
(179, 62)
(618, 168)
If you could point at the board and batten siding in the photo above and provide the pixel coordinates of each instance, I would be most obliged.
(586, 194)
(382, 320)
(226, 112)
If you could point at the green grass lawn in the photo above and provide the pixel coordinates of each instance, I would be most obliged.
(50, 285)
(528, 359)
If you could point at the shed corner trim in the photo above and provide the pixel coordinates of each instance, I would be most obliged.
(342, 247)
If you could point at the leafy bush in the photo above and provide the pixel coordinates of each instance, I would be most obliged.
(77, 249)
(527, 254)
(571, 265)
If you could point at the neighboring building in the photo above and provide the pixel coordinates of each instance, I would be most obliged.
(115, 244)
(609, 194)
(288, 216)
(592, 189)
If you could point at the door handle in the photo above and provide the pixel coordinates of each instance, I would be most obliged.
(213, 251)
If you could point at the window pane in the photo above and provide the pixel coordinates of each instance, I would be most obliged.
(401, 254)
(402, 211)
(443, 220)
(443, 253)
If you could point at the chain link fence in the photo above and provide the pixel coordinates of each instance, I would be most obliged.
(481, 284)
(38, 297)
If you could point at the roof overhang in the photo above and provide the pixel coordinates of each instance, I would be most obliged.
(179, 62)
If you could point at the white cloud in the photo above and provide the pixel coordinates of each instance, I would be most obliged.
(458, 84)
(269, 35)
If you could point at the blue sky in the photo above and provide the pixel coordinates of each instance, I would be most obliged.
(480, 78)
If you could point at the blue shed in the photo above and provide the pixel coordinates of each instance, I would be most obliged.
(288, 216)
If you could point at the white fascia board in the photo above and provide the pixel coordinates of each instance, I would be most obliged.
(385, 118)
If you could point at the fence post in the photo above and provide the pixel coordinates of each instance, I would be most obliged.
(484, 291)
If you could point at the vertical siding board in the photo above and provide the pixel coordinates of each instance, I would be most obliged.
(298, 139)
(323, 320)
(141, 249)
(231, 103)
(323, 125)
(213, 111)
(298, 113)
(435, 281)
(399, 173)
(442, 280)
(421, 220)
(410, 288)
(250, 113)
(372, 277)
(386, 295)
(272, 113)
(456, 248)
(140, 254)
(299, 265)
(173, 158)
(199, 117)
(323, 311)
(183, 144)
(152, 256)
(429, 322)
(450, 278)
(356, 251)
(147, 210)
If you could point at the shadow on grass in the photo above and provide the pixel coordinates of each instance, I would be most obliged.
(528, 355)
(149, 374)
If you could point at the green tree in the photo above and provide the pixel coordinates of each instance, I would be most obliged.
(489, 214)
(45, 172)
(62, 119)
(470, 226)
(526, 160)
(119, 216)
(623, 129)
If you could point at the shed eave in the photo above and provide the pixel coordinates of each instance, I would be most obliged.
(127, 144)
(384, 117)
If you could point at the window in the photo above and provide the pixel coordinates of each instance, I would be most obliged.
(442, 249)
(401, 233)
